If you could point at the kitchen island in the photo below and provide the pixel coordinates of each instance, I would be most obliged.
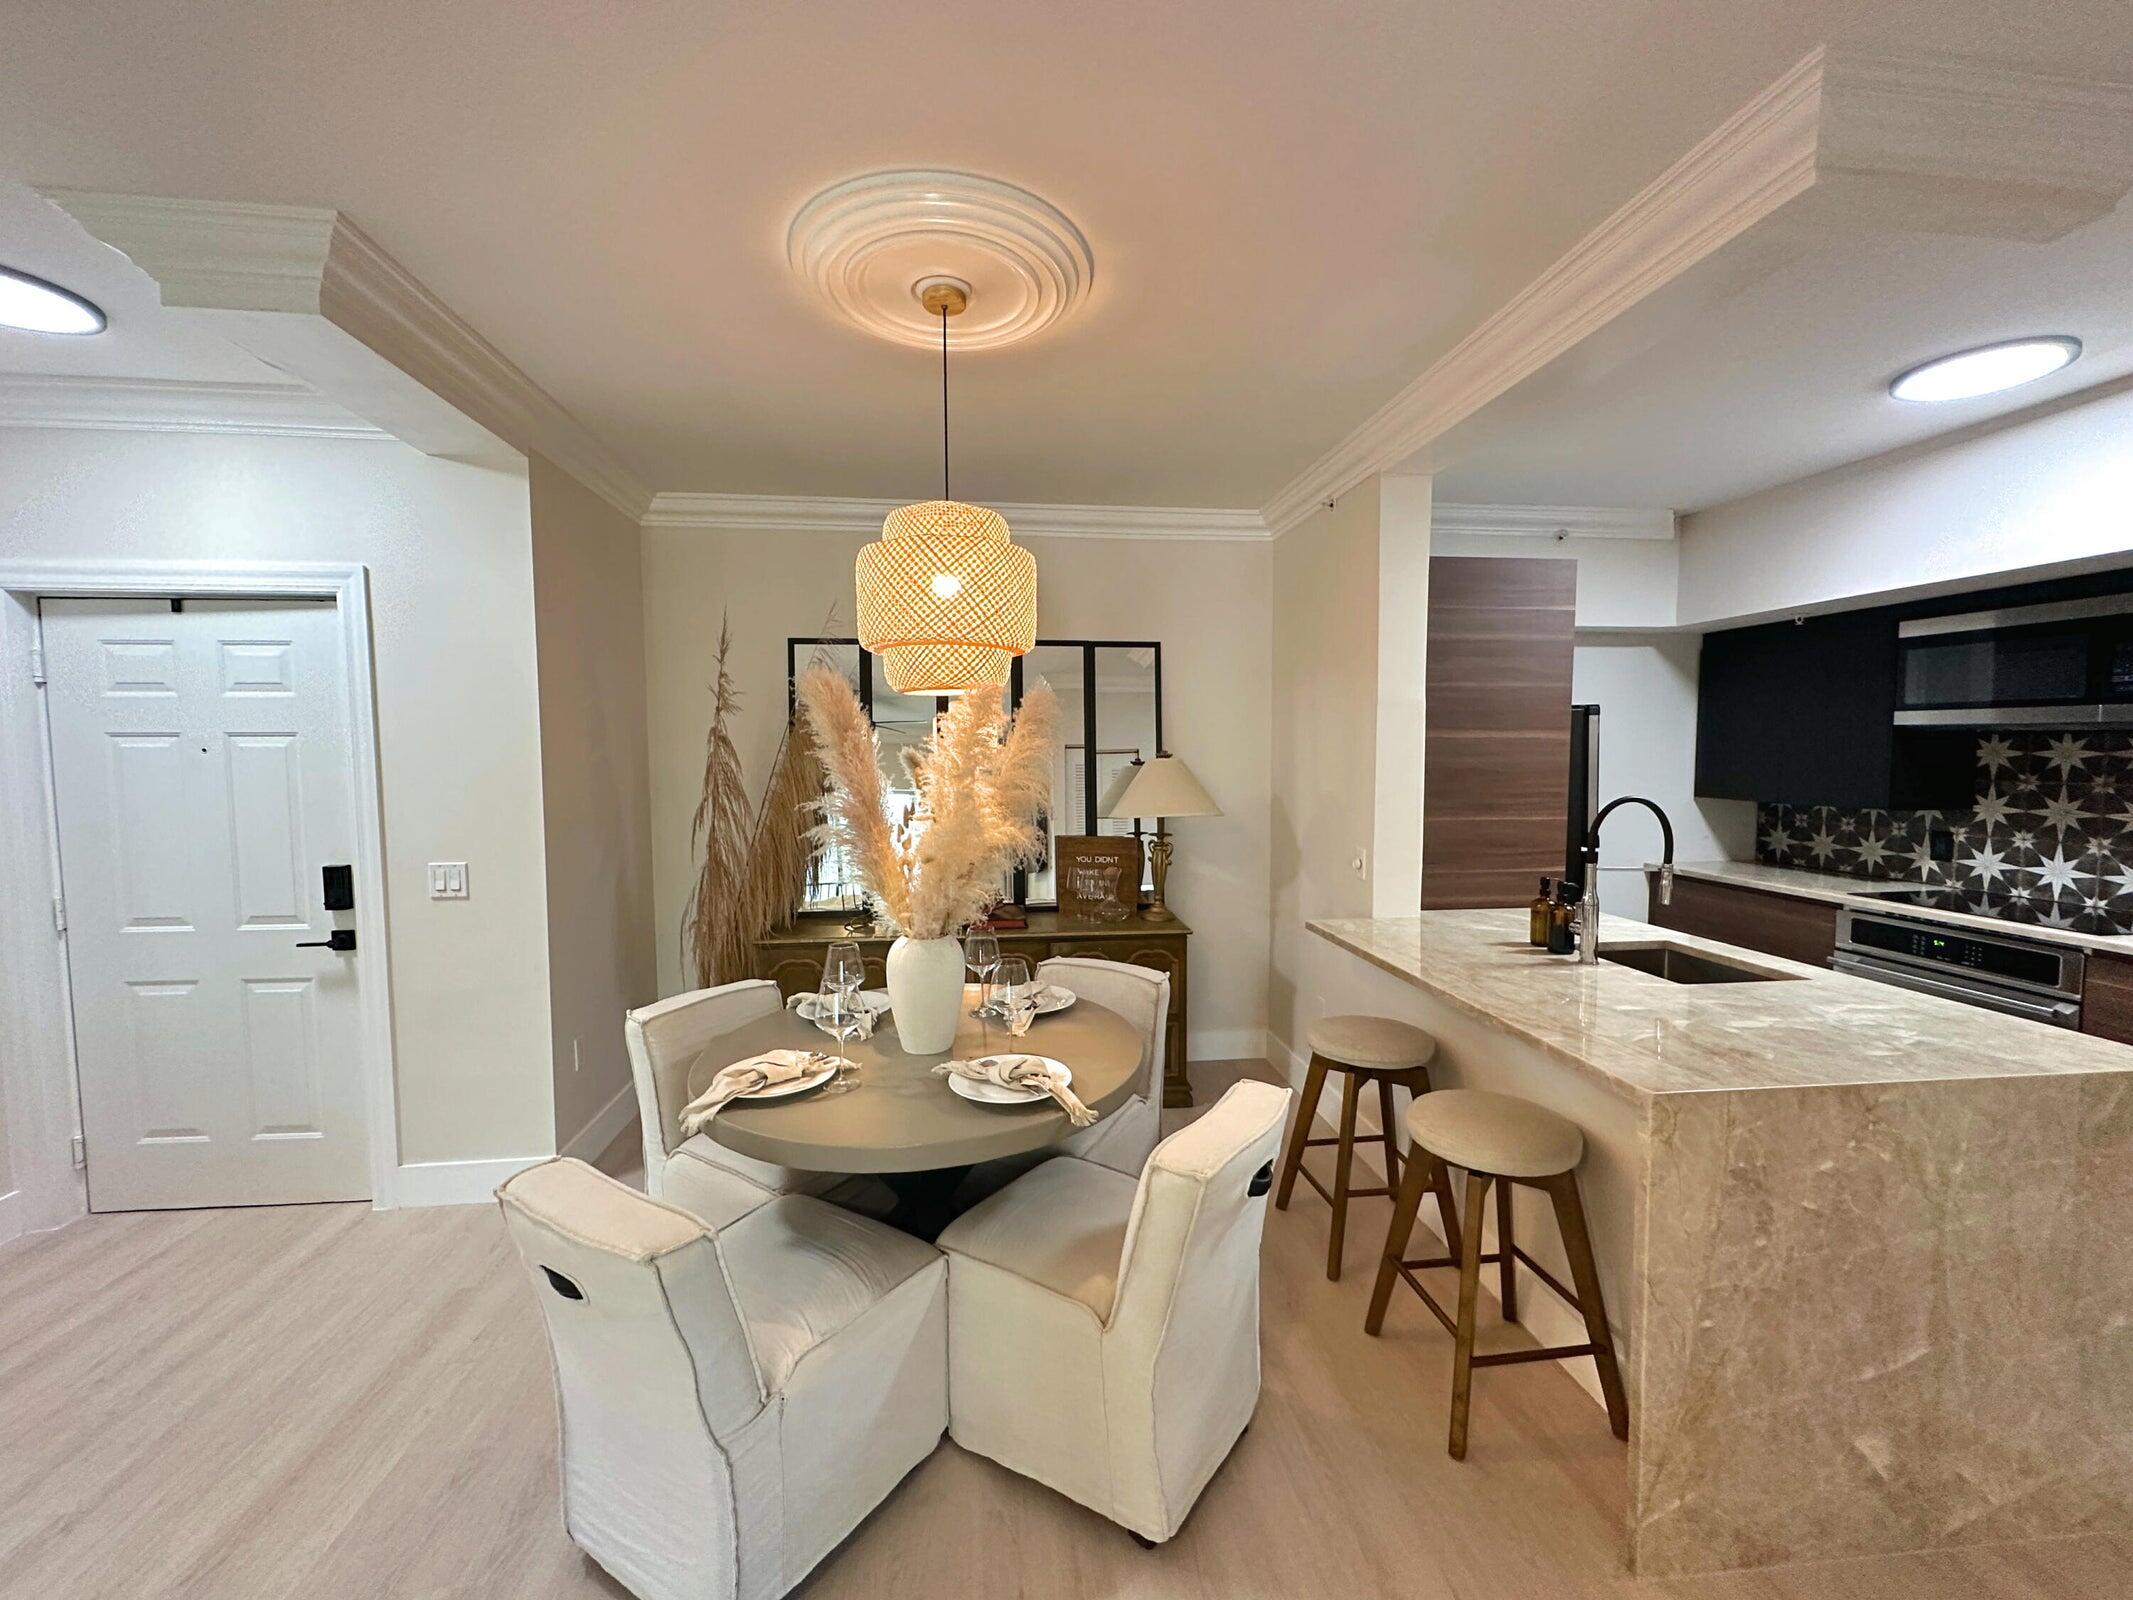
(1866, 1250)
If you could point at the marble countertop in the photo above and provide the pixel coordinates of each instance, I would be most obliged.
(1642, 1036)
(1838, 889)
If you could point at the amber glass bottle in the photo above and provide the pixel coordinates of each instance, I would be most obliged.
(1542, 909)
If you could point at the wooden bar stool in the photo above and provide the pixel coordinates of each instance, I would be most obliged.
(1393, 1054)
(1498, 1138)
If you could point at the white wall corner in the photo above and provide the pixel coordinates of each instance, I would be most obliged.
(608, 1124)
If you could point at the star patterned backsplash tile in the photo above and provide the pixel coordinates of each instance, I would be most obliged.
(2052, 824)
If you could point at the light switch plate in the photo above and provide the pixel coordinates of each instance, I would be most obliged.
(448, 880)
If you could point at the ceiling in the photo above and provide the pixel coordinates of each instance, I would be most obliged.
(139, 343)
(1768, 363)
(1291, 211)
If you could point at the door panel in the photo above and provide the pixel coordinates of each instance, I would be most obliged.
(203, 771)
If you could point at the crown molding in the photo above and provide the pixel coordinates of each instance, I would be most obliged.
(159, 405)
(1576, 522)
(369, 294)
(1759, 158)
(267, 276)
(763, 513)
(1928, 143)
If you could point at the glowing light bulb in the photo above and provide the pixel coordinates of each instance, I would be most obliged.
(947, 585)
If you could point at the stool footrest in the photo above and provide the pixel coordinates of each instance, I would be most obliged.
(1326, 1194)
(1408, 1269)
(1558, 1352)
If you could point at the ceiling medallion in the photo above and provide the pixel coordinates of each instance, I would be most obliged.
(866, 242)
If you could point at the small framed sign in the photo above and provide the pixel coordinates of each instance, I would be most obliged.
(1099, 877)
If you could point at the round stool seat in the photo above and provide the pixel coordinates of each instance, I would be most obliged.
(1377, 1043)
(1498, 1134)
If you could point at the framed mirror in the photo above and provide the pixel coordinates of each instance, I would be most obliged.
(1110, 717)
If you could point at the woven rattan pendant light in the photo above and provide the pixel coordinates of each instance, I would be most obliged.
(945, 599)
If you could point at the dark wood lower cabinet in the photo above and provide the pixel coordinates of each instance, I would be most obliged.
(791, 957)
(2107, 997)
(1755, 919)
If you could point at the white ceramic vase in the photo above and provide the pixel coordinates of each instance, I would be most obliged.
(926, 993)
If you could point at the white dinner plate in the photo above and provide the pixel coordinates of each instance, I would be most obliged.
(783, 1091)
(1052, 999)
(993, 1094)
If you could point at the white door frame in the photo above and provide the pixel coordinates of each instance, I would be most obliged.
(38, 1070)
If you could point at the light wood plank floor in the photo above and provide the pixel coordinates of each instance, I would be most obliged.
(328, 1402)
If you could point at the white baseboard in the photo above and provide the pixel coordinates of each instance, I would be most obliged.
(1226, 1044)
(10, 1215)
(456, 1183)
(606, 1126)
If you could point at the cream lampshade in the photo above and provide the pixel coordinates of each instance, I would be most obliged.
(1164, 787)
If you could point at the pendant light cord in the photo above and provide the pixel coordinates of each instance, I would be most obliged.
(945, 495)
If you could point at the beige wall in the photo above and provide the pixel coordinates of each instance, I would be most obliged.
(452, 599)
(1206, 600)
(1324, 770)
(588, 600)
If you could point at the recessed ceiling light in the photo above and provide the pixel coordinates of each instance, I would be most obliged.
(1987, 369)
(39, 307)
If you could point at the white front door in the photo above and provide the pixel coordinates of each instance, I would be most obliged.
(204, 777)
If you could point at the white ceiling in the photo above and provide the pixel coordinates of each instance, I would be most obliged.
(1764, 365)
(1293, 210)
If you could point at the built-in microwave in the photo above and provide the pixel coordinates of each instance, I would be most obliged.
(2066, 663)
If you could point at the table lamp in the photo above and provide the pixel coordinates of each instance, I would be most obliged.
(1164, 787)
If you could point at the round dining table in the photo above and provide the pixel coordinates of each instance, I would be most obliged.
(898, 1118)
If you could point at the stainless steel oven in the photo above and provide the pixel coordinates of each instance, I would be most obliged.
(2020, 977)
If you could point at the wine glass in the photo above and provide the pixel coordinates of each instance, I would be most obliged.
(1018, 994)
(841, 1014)
(982, 952)
(843, 969)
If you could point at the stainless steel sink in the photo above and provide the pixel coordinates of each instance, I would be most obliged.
(1677, 965)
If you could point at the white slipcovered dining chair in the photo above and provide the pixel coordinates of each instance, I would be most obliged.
(1103, 1334)
(1123, 1140)
(699, 1174)
(733, 1401)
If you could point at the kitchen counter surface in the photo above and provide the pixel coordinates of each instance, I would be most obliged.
(1837, 889)
(1643, 1037)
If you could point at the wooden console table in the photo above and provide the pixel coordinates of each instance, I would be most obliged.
(791, 957)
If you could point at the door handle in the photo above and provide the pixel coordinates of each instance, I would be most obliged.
(341, 939)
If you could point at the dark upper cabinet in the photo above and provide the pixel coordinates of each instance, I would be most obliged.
(1802, 713)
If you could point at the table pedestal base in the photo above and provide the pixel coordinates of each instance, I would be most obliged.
(925, 1201)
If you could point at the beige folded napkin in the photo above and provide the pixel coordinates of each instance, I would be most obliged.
(1021, 1072)
(744, 1077)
